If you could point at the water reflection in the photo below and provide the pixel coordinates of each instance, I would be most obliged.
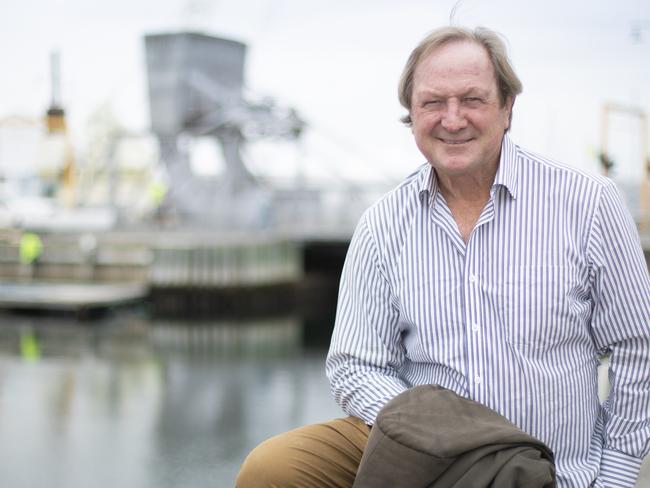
(133, 403)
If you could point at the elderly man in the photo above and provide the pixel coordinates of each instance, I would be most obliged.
(492, 272)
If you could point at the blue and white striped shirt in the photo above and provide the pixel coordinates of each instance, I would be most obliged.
(551, 277)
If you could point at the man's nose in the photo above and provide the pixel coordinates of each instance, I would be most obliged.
(453, 119)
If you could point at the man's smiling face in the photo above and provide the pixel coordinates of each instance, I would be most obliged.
(458, 119)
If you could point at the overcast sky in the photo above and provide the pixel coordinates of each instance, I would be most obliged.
(337, 62)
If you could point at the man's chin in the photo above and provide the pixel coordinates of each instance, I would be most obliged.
(457, 157)
(452, 167)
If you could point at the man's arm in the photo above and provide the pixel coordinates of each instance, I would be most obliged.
(621, 325)
(366, 349)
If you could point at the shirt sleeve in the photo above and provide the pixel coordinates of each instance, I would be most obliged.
(366, 351)
(621, 326)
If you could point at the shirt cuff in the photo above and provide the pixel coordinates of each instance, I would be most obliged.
(619, 470)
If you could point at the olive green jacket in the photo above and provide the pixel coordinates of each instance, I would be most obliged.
(431, 437)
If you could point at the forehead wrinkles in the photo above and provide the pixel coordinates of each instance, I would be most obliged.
(455, 65)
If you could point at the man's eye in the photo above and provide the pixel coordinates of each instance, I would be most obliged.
(432, 103)
(472, 100)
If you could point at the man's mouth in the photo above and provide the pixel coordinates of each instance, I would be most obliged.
(455, 142)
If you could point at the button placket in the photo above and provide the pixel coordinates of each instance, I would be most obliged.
(475, 374)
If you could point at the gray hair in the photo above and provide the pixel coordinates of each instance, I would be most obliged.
(508, 83)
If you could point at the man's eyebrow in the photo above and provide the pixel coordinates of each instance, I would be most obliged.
(474, 90)
(428, 93)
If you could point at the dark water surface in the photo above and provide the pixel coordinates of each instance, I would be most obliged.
(129, 402)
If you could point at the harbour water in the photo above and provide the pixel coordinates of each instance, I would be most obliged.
(125, 400)
(130, 402)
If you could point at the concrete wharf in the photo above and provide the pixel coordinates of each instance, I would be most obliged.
(186, 273)
(68, 296)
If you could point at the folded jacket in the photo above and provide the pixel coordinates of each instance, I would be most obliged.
(429, 436)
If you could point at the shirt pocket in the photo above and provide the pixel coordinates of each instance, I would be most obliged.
(535, 308)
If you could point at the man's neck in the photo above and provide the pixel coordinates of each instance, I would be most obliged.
(466, 197)
(467, 188)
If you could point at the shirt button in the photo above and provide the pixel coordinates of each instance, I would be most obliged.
(477, 379)
(472, 278)
(475, 327)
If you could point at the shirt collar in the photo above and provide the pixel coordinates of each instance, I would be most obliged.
(507, 172)
(427, 184)
(506, 176)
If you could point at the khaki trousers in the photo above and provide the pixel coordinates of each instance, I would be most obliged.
(323, 455)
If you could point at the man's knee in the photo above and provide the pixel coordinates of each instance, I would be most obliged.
(316, 455)
(267, 465)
